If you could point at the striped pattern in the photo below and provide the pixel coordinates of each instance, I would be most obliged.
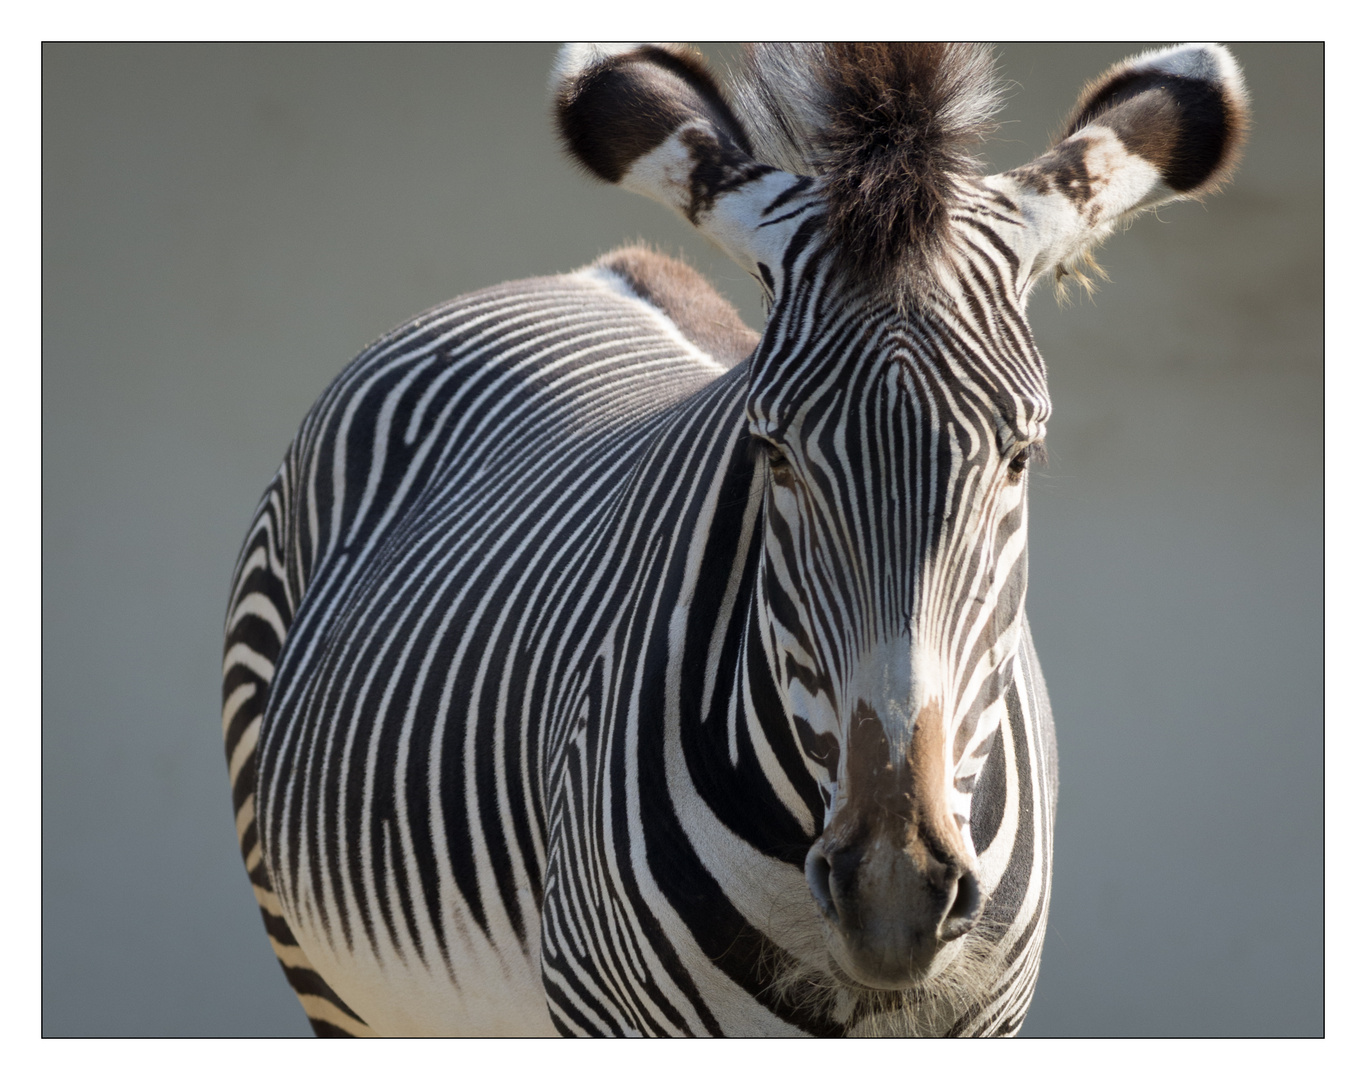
(595, 666)
(501, 544)
(543, 384)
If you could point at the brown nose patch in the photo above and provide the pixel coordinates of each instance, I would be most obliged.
(925, 761)
(902, 802)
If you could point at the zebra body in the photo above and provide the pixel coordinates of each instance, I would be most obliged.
(594, 665)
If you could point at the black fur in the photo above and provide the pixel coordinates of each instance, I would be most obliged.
(1190, 129)
(618, 110)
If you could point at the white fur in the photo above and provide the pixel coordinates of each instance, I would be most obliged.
(664, 175)
(1205, 61)
(576, 57)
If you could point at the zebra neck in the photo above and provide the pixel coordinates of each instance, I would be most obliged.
(704, 658)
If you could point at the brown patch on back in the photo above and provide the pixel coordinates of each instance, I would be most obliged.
(701, 314)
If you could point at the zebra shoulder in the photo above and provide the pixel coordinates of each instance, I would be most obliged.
(686, 298)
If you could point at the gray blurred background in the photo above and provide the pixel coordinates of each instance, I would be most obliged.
(224, 227)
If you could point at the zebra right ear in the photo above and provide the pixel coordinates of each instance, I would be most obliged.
(1166, 125)
(652, 119)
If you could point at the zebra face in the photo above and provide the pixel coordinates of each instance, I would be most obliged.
(892, 582)
(897, 397)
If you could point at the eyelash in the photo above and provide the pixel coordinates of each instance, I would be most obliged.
(777, 463)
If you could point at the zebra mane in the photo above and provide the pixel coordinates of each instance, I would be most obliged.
(887, 128)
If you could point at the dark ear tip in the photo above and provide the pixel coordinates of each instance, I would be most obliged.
(1204, 84)
(1216, 66)
(613, 103)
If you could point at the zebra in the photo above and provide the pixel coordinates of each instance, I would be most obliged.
(596, 665)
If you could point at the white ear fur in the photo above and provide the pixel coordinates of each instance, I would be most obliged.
(576, 57)
(1204, 60)
(1168, 124)
(651, 119)
(735, 219)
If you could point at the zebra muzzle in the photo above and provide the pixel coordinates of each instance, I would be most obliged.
(891, 874)
(890, 913)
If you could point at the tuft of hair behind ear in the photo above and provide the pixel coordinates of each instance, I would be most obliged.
(1184, 108)
(888, 129)
(1080, 270)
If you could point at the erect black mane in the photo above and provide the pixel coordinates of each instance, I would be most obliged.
(887, 128)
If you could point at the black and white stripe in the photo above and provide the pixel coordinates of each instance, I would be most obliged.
(595, 666)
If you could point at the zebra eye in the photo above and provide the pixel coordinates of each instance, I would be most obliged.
(1018, 463)
(779, 468)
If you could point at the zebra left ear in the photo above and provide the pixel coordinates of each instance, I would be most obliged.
(652, 119)
(1165, 125)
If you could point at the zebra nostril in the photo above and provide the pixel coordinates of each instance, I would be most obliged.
(963, 911)
(818, 880)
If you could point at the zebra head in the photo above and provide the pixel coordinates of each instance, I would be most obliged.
(894, 402)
